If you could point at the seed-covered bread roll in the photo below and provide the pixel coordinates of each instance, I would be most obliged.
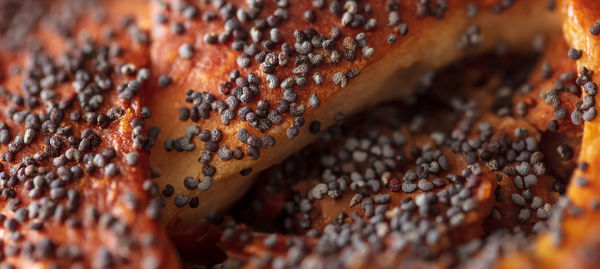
(453, 181)
(240, 85)
(74, 174)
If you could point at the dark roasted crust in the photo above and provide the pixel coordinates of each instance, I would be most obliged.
(210, 65)
(134, 237)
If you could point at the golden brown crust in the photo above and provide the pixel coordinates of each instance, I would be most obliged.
(326, 210)
(574, 234)
(76, 189)
(504, 176)
(510, 205)
(579, 17)
(211, 65)
(544, 95)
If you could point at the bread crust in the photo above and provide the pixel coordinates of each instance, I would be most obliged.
(391, 72)
(481, 242)
(574, 234)
(64, 203)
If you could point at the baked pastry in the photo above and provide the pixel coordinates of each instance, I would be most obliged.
(241, 85)
(574, 237)
(550, 96)
(74, 166)
(368, 196)
(471, 169)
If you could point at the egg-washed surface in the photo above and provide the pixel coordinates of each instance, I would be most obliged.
(462, 174)
(74, 174)
(240, 85)
(404, 184)
(574, 236)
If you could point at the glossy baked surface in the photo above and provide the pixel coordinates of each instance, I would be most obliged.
(113, 112)
(574, 233)
(303, 225)
(76, 188)
(292, 51)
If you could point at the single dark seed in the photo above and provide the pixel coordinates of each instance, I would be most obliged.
(595, 29)
(565, 152)
(191, 183)
(164, 81)
(205, 184)
(180, 200)
(575, 54)
(576, 117)
(292, 132)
